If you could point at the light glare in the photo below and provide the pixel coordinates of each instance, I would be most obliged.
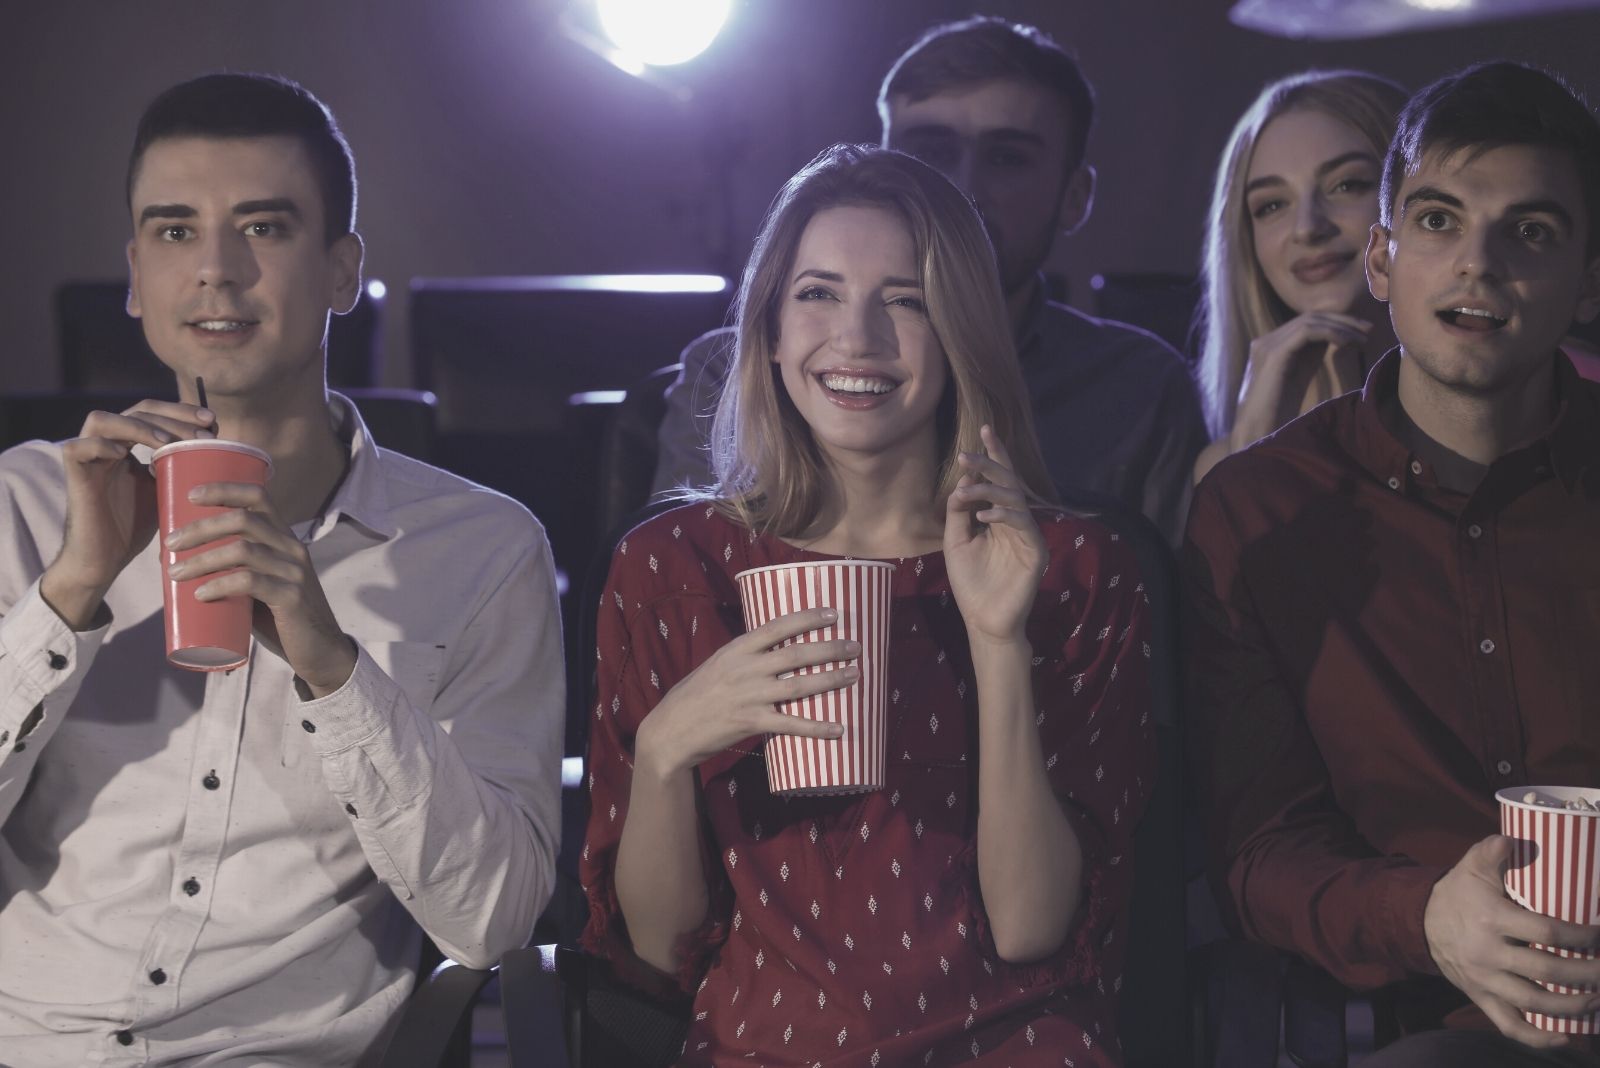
(376, 289)
(662, 33)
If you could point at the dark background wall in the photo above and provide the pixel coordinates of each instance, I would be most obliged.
(487, 142)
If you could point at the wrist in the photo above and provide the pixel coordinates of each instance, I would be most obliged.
(75, 600)
(332, 677)
(651, 757)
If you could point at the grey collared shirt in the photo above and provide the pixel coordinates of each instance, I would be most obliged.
(208, 869)
(1115, 409)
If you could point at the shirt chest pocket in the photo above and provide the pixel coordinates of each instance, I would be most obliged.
(417, 668)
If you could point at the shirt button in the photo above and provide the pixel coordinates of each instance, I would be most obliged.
(1394, 483)
(350, 808)
(191, 886)
(1416, 467)
(124, 1037)
(19, 747)
(307, 726)
(1474, 531)
(1504, 767)
(211, 782)
(158, 977)
(57, 661)
(1486, 646)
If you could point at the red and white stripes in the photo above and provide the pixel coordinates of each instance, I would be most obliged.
(1554, 871)
(861, 592)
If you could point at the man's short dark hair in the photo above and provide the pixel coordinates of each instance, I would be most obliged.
(231, 105)
(1496, 105)
(960, 55)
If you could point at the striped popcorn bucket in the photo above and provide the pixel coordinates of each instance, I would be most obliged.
(860, 591)
(1555, 871)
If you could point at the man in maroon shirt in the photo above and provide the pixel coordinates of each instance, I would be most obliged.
(1394, 602)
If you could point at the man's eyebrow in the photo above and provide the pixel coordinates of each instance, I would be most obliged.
(1011, 133)
(165, 211)
(1428, 194)
(281, 205)
(1554, 209)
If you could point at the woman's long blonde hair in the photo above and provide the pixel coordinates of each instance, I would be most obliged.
(770, 473)
(1239, 304)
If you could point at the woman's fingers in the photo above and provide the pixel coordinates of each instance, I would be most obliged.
(810, 684)
(779, 723)
(777, 631)
(810, 654)
(990, 493)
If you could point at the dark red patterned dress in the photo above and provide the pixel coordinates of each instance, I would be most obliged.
(850, 931)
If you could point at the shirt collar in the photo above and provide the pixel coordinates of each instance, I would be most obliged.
(363, 495)
(1572, 443)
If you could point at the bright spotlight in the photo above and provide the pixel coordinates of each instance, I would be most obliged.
(662, 33)
(376, 289)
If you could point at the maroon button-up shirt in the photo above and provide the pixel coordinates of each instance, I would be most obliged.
(1371, 656)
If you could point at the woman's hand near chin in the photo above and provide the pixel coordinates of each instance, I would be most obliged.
(1288, 354)
(993, 550)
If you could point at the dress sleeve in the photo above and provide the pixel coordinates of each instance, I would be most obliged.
(1091, 682)
(648, 637)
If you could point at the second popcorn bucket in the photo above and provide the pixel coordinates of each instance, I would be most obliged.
(861, 592)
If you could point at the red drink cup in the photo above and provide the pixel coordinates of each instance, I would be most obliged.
(1555, 871)
(860, 590)
(202, 635)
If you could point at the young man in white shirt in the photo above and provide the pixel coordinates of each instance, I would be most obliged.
(237, 868)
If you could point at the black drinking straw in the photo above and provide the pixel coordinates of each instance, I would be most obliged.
(200, 388)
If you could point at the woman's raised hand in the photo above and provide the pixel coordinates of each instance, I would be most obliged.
(993, 550)
(732, 695)
(1264, 403)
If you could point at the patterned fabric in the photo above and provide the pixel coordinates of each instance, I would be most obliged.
(849, 930)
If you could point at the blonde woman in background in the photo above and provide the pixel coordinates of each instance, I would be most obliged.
(1288, 320)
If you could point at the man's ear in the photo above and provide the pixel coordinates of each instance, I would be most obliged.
(1077, 198)
(1589, 294)
(133, 281)
(348, 254)
(1378, 261)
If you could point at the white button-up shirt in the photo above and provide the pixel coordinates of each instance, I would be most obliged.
(206, 868)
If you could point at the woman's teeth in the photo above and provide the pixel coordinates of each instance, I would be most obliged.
(847, 384)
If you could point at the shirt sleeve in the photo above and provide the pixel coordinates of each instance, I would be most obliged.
(1092, 686)
(682, 456)
(457, 806)
(43, 662)
(647, 642)
(1288, 866)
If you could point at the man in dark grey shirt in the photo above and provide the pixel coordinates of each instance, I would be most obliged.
(1005, 113)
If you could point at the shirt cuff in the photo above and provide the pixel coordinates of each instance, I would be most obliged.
(354, 712)
(49, 655)
(1405, 900)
